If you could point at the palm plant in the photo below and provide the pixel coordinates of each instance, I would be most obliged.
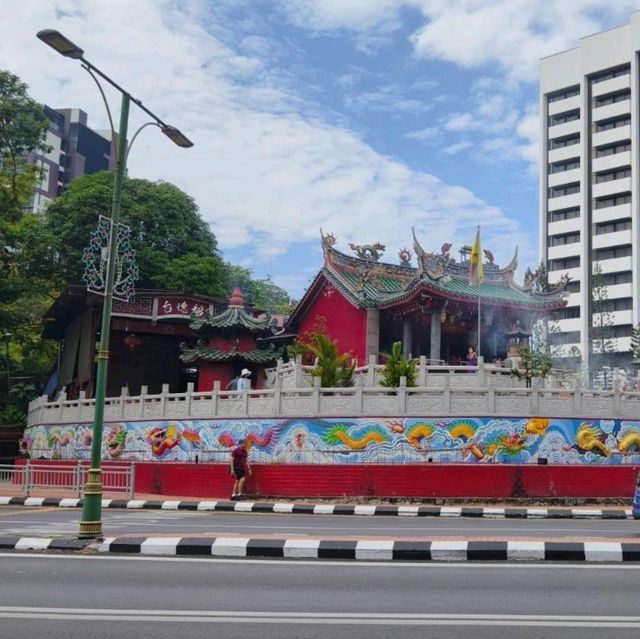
(334, 370)
(398, 366)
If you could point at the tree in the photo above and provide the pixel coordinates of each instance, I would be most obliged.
(172, 242)
(533, 363)
(264, 293)
(23, 127)
(334, 370)
(635, 344)
(602, 343)
(398, 366)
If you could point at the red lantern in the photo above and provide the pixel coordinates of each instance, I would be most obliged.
(132, 342)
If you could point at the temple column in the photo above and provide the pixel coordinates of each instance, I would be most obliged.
(407, 338)
(373, 332)
(436, 334)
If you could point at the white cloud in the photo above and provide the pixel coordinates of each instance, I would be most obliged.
(267, 169)
(461, 122)
(428, 134)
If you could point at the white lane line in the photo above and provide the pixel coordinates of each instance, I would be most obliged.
(314, 618)
(350, 564)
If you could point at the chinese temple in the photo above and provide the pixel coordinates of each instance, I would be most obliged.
(231, 345)
(366, 304)
(146, 340)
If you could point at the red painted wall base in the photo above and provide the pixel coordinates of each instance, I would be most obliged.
(428, 481)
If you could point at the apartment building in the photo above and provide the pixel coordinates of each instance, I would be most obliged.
(588, 204)
(75, 150)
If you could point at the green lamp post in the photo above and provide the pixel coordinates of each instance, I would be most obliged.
(91, 523)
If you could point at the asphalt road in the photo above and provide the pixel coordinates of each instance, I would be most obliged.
(148, 597)
(64, 522)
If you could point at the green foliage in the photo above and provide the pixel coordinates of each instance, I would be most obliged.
(334, 370)
(263, 293)
(635, 344)
(398, 366)
(300, 345)
(533, 363)
(602, 343)
(167, 231)
(23, 127)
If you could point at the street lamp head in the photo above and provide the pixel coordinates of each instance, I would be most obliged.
(177, 137)
(60, 43)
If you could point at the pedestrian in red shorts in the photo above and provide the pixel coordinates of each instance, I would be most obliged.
(239, 467)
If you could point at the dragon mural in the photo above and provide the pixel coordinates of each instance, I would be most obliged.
(354, 440)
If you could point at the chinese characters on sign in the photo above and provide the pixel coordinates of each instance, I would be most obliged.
(180, 307)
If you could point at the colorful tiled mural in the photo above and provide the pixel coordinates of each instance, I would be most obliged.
(348, 441)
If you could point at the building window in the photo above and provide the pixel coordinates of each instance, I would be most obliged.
(618, 174)
(569, 312)
(564, 214)
(622, 331)
(564, 264)
(566, 165)
(562, 118)
(613, 227)
(611, 306)
(613, 200)
(565, 238)
(614, 123)
(566, 189)
(564, 94)
(573, 286)
(611, 252)
(612, 73)
(611, 279)
(570, 337)
(612, 149)
(567, 140)
(612, 98)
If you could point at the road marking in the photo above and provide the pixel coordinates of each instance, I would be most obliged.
(118, 615)
(350, 564)
(33, 509)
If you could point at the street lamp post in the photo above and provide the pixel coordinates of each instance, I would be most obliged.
(91, 523)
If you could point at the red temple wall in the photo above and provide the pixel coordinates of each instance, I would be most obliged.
(209, 372)
(345, 323)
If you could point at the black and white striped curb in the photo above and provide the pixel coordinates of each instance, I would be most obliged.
(334, 509)
(368, 550)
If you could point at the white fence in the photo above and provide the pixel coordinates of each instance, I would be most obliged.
(441, 391)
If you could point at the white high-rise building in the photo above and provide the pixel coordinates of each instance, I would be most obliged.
(589, 188)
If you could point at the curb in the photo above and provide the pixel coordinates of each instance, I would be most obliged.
(333, 509)
(364, 550)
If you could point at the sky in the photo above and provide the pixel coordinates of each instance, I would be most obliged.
(363, 118)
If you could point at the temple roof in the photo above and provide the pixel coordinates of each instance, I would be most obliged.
(368, 283)
(234, 316)
(209, 354)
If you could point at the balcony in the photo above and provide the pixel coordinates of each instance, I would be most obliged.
(566, 128)
(564, 177)
(568, 104)
(564, 226)
(564, 250)
(612, 187)
(564, 153)
(611, 110)
(570, 325)
(609, 86)
(564, 201)
(616, 265)
(618, 238)
(607, 162)
(610, 213)
(611, 135)
(617, 291)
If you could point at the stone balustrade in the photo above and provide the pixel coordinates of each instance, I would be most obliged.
(441, 391)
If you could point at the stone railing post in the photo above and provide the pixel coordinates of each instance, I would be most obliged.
(82, 398)
(446, 394)
(480, 373)
(358, 399)
(534, 397)
(402, 395)
(62, 398)
(124, 391)
(163, 399)
(577, 396)
(371, 371)
(277, 399)
(615, 400)
(491, 400)
(316, 395)
(187, 398)
(143, 400)
(298, 372)
(216, 397)
(422, 371)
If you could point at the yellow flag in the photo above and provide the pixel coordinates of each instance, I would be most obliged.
(476, 270)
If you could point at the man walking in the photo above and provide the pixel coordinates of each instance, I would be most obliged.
(239, 467)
